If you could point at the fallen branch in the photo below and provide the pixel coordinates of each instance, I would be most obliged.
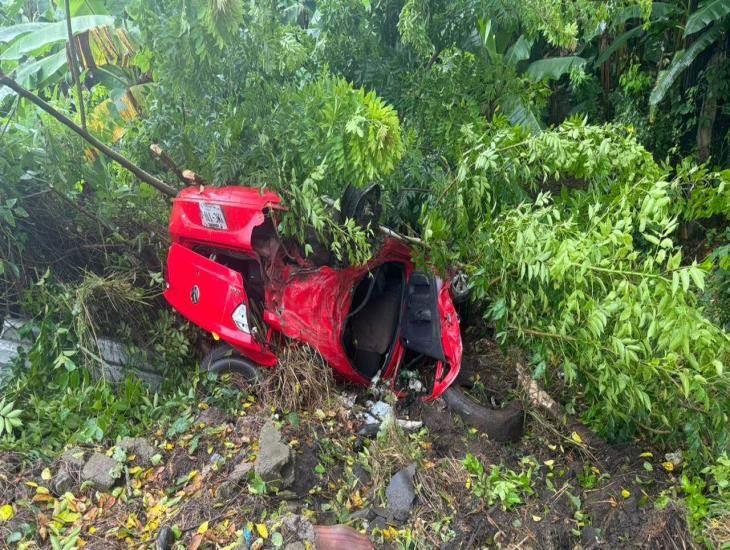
(540, 399)
(146, 177)
(167, 161)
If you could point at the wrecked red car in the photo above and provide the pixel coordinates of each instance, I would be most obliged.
(229, 272)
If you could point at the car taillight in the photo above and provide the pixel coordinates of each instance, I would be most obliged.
(240, 318)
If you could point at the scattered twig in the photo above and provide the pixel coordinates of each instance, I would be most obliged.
(542, 400)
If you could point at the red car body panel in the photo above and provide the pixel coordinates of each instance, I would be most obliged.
(302, 301)
(220, 292)
(243, 208)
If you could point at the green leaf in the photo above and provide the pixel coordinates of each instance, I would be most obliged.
(553, 68)
(41, 69)
(710, 12)
(682, 60)
(519, 51)
(520, 115)
(9, 33)
(617, 43)
(52, 33)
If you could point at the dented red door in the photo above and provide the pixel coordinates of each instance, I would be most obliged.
(213, 297)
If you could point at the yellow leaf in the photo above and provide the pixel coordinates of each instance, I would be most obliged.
(549, 463)
(262, 530)
(390, 534)
(46, 474)
(203, 528)
(575, 437)
(536, 519)
(646, 455)
(625, 493)
(92, 530)
(6, 512)
(42, 490)
(668, 466)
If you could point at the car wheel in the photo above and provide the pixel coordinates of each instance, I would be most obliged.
(224, 359)
(505, 424)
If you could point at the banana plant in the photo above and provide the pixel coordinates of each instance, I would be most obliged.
(36, 52)
(711, 18)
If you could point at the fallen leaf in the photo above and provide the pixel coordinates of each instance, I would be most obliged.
(203, 528)
(575, 437)
(262, 530)
(46, 474)
(6, 512)
(646, 455)
(668, 466)
(625, 493)
(536, 519)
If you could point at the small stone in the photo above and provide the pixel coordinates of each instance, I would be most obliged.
(367, 514)
(275, 461)
(73, 457)
(297, 527)
(362, 475)
(140, 448)
(165, 538)
(226, 490)
(240, 472)
(98, 470)
(401, 492)
(589, 537)
(62, 482)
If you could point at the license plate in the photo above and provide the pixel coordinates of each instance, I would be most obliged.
(212, 216)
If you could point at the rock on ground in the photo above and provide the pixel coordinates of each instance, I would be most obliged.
(98, 470)
(67, 475)
(401, 492)
(140, 448)
(297, 528)
(231, 486)
(275, 460)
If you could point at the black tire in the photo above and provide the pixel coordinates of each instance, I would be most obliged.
(499, 424)
(223, 359)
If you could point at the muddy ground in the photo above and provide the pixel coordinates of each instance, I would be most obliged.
(600, 497)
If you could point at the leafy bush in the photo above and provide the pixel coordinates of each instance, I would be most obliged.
(592, 281)
(506, 486)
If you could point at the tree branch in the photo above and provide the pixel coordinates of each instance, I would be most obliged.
(146, 177)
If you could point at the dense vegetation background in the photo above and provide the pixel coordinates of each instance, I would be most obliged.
(570, 156)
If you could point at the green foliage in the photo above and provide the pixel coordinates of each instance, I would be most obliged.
(599, 292)
(681, 62)
(572, 232)
(9, 419)
(712, 11)
(502, 485)
(351, 135)
(222, 19)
